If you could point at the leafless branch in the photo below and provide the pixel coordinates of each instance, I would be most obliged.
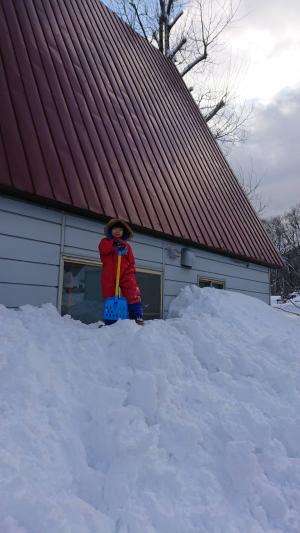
(134, 7)
(175, 19)
(251, 184)
(215, 110)
(194, 63)
(176, 49)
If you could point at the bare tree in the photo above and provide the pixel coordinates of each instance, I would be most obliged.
(190, 34)
(284, 230)
(292, 228)
(251, 185)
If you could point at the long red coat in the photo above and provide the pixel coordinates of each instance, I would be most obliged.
(128, 283)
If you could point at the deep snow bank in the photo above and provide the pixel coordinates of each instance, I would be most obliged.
(190, 425)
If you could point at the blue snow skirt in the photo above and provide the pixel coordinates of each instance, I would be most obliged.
(115, 308)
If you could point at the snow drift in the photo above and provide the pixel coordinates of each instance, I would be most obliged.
(189, 425)
(290, 306)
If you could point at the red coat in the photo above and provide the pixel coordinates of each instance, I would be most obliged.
(128, 283)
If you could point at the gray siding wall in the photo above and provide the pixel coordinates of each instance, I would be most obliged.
(239, 276)
(30, 240)
(33, 239)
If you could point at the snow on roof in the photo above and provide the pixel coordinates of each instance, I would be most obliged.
(189, 425)
(97, 120)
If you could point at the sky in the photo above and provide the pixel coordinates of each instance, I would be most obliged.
(266, 40)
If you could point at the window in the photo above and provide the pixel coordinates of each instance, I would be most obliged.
(81, 291)
(150, 283)
(207, 282)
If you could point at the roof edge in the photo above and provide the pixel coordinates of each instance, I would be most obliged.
(53, 204)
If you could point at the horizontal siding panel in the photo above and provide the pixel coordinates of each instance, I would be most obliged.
(261, 296)
(147, 253)
(17, 295)
(172, 257)
(29, 228)
(78, 238)
(223, 269)
(172, 288)
(78, 253)
(238, 270)
(94, 256)
(86, 224)
(167, 301)
(21, 272)
(246, 285)
(26, 250)
(151, 265)
(220, 271)
(85, 240)
(235, 263)
(180, 274)
(149, 240)
(30, 209)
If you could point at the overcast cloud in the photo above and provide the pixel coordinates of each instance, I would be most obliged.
(267, 39)
(273, 150)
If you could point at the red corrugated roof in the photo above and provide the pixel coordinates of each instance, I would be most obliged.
(95, 118)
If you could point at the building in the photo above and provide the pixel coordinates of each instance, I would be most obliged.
(96, 123)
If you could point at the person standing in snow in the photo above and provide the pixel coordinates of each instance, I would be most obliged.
(115, 243)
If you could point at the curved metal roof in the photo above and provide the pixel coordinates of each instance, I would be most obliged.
(93, 117)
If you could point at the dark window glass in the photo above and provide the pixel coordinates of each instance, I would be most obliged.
(81, 294)
(203, 282)
(217, 284)
(150, 285)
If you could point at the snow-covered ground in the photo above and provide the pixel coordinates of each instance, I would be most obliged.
(189, 425)
(291, 306)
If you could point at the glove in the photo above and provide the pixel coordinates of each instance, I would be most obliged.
(119, 243)
(121, 246)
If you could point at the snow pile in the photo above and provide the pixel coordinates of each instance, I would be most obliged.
(291, 306)
(189, 425)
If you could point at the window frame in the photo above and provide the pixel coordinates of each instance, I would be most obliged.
(98, 263)
(211, 280)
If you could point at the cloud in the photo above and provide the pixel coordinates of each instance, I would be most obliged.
(274, 15)
(266, 38)
(273, 150)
